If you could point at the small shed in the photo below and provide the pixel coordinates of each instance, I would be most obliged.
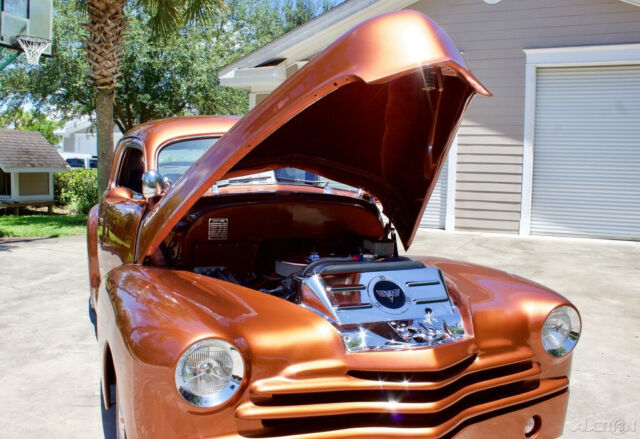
(27, 164)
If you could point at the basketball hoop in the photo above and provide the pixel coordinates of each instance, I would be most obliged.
(33, 47)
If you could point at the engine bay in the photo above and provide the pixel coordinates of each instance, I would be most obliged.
(336, 259)
(375, 301)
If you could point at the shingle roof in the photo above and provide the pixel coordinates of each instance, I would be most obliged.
(28, 149)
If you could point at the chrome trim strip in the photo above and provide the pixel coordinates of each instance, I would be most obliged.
(354, 307)
(425, 301)
(422, 284)
(346, 289)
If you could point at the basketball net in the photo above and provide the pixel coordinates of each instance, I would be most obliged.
(33, 47)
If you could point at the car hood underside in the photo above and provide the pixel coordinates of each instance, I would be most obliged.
(378, 110)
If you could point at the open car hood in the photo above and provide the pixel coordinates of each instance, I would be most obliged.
(378, 110)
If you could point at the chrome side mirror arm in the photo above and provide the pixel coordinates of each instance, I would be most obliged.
(167, 183)
(153, 184)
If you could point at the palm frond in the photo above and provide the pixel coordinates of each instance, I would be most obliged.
(169, 15)
(81, 5)
(203, 9)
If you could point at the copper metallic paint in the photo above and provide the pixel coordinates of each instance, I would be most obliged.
(147, 315)
(155, 314)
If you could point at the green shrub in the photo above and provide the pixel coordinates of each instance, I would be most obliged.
(77, 189)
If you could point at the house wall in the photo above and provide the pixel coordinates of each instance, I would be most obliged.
(69, 144)
(85, 141)
(33, 183)
(492, 39)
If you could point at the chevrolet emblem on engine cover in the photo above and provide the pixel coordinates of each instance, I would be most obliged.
(389, 295)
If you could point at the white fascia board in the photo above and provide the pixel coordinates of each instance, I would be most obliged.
(73, 127)
(580, 55)
(33, 170)
(632, 2)
(307, 40)
(257, 79)
(43, 197)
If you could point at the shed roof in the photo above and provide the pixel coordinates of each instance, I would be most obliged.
(27, 149)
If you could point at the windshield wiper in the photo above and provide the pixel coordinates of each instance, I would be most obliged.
(300, 180)
(265, 178)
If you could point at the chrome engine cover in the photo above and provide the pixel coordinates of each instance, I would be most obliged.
(388, 304)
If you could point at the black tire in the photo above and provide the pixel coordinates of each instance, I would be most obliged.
(93, 319)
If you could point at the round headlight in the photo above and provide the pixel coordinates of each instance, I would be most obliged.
(561, 331)
(209, 373)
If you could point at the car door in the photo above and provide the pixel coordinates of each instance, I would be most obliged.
(121, 209)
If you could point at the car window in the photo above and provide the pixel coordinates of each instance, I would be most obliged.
(93, 163)
(175, 158)
(295, 176)
(298, 176)
(131, 169)
(76, 163)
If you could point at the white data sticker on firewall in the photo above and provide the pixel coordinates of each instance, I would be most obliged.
(218, 229)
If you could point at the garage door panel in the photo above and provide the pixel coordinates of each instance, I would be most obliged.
(435, 214)
(586, 174)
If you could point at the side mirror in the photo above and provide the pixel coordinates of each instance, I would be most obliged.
(153, 184)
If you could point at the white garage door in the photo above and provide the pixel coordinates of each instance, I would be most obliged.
(435, 214)
(586, 166)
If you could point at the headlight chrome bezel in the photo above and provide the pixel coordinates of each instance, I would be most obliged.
(561, 330)
(233, 370)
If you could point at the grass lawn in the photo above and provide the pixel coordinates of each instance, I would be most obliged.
(47, 226)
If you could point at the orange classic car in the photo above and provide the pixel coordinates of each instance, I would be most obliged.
(247, 282)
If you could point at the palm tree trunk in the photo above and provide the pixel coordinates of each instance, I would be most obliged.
(107, 24)
(104, 115)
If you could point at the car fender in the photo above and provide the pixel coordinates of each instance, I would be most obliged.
(92, 252)
(503, 311)
(153, 315)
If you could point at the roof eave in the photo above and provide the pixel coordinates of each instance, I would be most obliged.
(25, 169)
(632, 2)
(304, 41)
(257, 79)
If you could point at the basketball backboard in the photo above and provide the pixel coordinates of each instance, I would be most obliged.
(26, 17)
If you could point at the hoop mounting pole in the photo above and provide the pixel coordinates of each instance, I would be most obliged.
(10, 60)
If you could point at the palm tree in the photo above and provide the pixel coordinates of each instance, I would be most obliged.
(107, 26)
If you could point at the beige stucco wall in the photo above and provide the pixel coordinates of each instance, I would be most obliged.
(492, 38)
(34, 183)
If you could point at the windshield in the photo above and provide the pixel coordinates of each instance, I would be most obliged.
(291, 176)
(176, 158)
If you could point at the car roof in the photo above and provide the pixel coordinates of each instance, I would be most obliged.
(158, 132)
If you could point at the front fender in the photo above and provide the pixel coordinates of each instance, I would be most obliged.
(503, 311)
(153, 315)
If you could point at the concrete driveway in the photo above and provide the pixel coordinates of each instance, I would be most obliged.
(50, 366)
(48, 355)
(602, 278)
